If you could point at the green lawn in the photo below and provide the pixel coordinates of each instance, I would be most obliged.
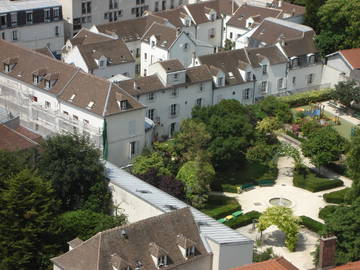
(219, 206)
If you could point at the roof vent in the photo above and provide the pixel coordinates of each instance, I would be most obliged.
(90, 105)
(143, 191)
(170, 207)
(202, 223)
(94, 51)
(124, 234)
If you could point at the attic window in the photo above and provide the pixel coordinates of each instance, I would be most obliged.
(47, 84)
(90, 105)
(71, 99)
(231, 75)
(36, 79)
(213, 17)
(124, 105)
(6, 68)
(190, 251)
(162, 261)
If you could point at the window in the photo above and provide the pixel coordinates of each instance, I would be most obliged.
(172, 132)
(137, 52)
(65, 113)
(310, 78)
(175, 76)
(88, 19)
(47, 14)
(88, 7)
(83, 8)
(47, 84)
(137, 68)
(174, 92)
(201, 88)
(213, 17)
(29, 17)
(295, 62)
(180, 2)
(71, 99)
(212, 33)
(56, 12)
(190, 251)
(57, 31)
(145, 56)
(120, 13)
(102, 64)
(90, 105)
(294, 80)
(163, 5)
(151, 113)
(173, 108)
(34, 99)
(162, 260)
(75, 117)
(13, 18)
(3, 21)
(152, 43)
(105, 16)
(35, 79)
(47, 104)
(264, 69)
(280, 83)
(198, 102)
(172, 5)
(220, 81)
(156, 6)
(231, 35)
(247, 93)
(145, 71)
(186, 46)
(3, 35)
(312, 59)
(75, 130)
(263, 86)
(132, 148)
(150, 96)
(86, 122)
(123, 105)
(248, 76)
(6, 68)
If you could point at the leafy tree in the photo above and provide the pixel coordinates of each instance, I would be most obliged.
(344, 223)
(284, 219)
(143, 164)
(85, 223)
(265, 255)
(339, 22)
(197, 176)
(28, 209)
(323, 146)
(353, 164)
(312, 9)
(310, 126)
(268, 125)
(287, 150)
(272, 107)
(347, 92)
(72, 164)
(261, 152)
(229, 45)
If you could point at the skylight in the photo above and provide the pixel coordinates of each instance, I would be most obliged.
(90, 105)
(71, 99)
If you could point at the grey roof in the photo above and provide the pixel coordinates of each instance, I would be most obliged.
(8, 6)
(209, 228)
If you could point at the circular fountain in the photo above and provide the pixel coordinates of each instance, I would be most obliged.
(280, 202)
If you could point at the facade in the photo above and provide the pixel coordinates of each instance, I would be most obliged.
(98, 54)
(162, 42)
(171, 240)
(342, 65)
(140, 200)
(169, 93)
(32, 24)
(54, 97)
(81, 13)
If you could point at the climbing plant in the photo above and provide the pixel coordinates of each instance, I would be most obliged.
(284, 219)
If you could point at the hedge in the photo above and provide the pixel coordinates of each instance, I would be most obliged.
(336, 196)
(243, 220)
(315, 183)
(326, 211)
(219, 206)
(229, 188)
(312, 224)
(307, 97)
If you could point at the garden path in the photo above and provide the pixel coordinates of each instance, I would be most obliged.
(341, 114)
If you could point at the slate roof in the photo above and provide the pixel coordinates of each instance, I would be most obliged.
(173, 15)
(84, 37)
(274, 264)
(45, 51)
(172, 65)
(165, 35)
(133, 243)
(289, 8)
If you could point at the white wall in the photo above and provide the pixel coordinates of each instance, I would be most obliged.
(331, 76)
(301, 74)
(73, 56)
(236, 33)
(338, 63)
(202, 32)
(127, 69)
(235, 92)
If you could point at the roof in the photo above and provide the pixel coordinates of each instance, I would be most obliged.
(348, 266)
(17, 139)
(130, 30)
(8, 6)
(352, 56)
(246, 11)
(153, 83)
(209, 228)
(69, 81)
(173, 15)
(289, 8)
(45, 51)
(165, 35)
(300, 46)
(75, 242)
(134, 244)
(274, 264)
(172, 65)
(84, 37)
(115, 51)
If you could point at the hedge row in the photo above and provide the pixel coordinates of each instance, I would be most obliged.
(308, 97)
(336, 196)
(312, 224)
(224, 211)
(243, 220)
(315, 183)
(326, 211)
(229, 188)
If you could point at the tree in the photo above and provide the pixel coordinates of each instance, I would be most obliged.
(310, 126)
(353, 164)
(261, 152)
(85, 223)
(311, 17)
(287, 150)
(323, 146)
(28, 210)
(229, 45)
(344, 223)
(197, 177)
(284, 219)
(72, 164)
(143, 164)
(347, 92)
(340, 26)
(272, 107)
(268, 125)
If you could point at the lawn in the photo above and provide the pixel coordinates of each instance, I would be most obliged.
(219, 206)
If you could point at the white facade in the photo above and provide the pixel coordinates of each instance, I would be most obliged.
(336, 69)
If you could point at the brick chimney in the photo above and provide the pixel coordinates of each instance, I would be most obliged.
(327, 252)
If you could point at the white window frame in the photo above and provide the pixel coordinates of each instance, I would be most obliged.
(31, 16)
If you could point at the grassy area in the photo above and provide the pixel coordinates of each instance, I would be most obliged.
(219, 206)
(307, 179)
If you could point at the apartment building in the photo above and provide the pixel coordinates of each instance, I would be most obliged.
(32, 24)
(170, 92)
(52, 97)
(85, 13)
(161, 42)
(98, 54)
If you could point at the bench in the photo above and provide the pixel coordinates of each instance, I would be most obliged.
(266, 183)
(247, 186)
(221, 220)
(237, 213)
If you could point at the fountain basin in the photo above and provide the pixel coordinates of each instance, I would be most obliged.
(280, 202)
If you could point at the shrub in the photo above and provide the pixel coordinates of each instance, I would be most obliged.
(312, 224)
(336, 196)
(229, 188)
(308, 97)
(243, 220)
(326, 211)
(219, 206)
(308, 180)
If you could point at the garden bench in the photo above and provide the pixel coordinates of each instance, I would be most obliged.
(266, 183)
(237, 213)
(222, 220)
(247, 186)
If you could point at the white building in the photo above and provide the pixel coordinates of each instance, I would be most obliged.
(98, 54)
(53, 97)
(170, 92)
(162, 42)
(33, 24)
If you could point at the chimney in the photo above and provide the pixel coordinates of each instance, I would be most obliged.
(327, 252)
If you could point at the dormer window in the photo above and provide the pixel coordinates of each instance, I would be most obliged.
(90, 105)
(102, 64)
(161, 261)
(6, 68)
(248, 76)
(152, 43)
(36, 79)
(124, 105)
(47, 84)
(295, 62)
(186, 46)
(190, 251)
(311, 59)
(213, 17)
(220, 81)
(175, 76)
(71, 99)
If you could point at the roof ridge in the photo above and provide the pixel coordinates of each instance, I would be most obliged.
(107, 99)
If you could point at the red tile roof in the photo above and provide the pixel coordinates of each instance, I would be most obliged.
(13, 140)
(353, 57)
(348, 266)
(274, 264)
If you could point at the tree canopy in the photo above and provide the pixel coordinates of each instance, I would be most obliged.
(312, 9)
(347, 92)
(272, 107)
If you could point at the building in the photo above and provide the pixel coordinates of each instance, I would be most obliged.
(170, 92)
(98, 54)
(342, 65)
(171, 240)
(85, 13)
(53, 97)
(33, 24)
(130, 32)
(247, 74)
(161, 42)
(278, 264)
(140, 200)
